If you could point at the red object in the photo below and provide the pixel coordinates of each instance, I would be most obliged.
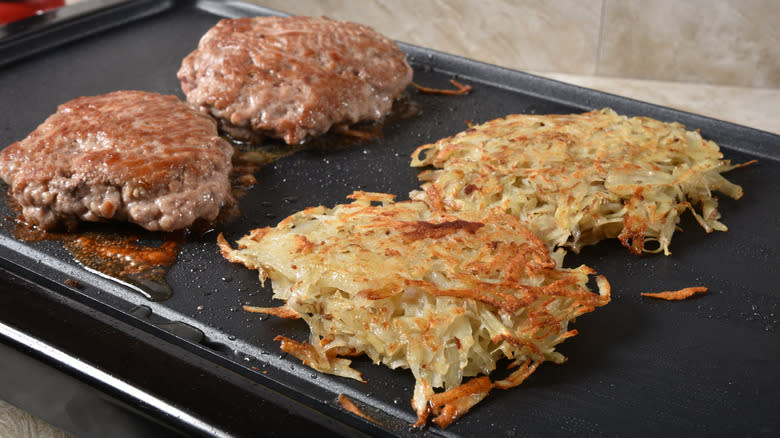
(13, 11)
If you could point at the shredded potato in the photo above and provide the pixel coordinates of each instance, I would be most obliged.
(577, 179)
(675, 295)
(459, 89)
(350, 406)
(442, 295)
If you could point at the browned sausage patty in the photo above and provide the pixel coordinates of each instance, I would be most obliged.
(128, 155)
(293, 77)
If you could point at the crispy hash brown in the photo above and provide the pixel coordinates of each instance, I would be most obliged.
(580, 178)
(445, 296)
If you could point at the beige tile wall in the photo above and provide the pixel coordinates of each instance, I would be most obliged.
(725, 42)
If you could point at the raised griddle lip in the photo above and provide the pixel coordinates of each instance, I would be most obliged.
(48, 325)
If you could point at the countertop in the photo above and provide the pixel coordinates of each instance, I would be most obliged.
(757, 108)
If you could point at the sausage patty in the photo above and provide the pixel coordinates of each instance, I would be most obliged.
(293, 77)
(128, 155)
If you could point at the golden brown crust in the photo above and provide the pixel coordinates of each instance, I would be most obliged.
(580, 178)
(426, 230)
(449, 405)
(446, 296)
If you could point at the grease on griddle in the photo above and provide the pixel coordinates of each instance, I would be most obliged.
(120, 257)
(404, 108)
(130, 255)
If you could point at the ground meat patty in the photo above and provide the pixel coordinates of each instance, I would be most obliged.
(127, 155)
(293, 77)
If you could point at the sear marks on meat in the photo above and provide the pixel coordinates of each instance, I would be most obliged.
(128, 156)
(293, 77)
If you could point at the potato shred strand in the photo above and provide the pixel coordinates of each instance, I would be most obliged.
(675, 295)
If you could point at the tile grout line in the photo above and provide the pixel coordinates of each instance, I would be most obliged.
(601, 37)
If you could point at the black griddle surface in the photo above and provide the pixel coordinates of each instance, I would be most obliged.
(704, 366)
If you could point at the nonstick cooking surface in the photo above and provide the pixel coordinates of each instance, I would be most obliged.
(706, 366)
